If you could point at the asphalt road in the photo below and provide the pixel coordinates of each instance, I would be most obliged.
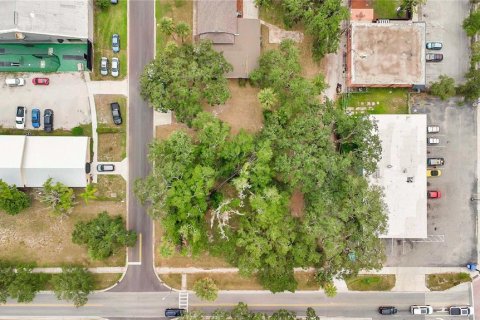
(140, 276)
(152, 305)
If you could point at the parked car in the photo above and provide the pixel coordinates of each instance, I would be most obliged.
(36, 118)
(434, 194)
(435, 161)
(15, 82)
(115, 67)
(117, 116)
(434, 57)
(434, 173)
(434, 45)
(20, 117)
(433, 129)
(388, 310)
(104, 66)
(41, 81)
(460, 311)
(105, 167)
(174, 312)
(116, 43)
(48, 120)
(113, 1)
(421, 309)
(432, 140)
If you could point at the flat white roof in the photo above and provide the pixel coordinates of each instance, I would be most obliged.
(402, 173)
(68, 18)
(34, 159)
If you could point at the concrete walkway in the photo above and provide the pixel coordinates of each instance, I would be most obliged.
(121, 168)
(277, 35)
(108, 87)
(92, 270)
(408, 279)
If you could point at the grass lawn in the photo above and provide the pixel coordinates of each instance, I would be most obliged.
(112, 139)
(107, 22)
(87, 131)
(233, 281)
(111, 187)
(371, 283)
(105, 280)
(34, 235)
(444, 281)
(178, 10)
(386, 9)
(381, 100)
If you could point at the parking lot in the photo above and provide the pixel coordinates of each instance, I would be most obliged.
(66, 95)
(451, 219)
(444, 20)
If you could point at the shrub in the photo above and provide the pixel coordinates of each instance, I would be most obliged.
(77, 131)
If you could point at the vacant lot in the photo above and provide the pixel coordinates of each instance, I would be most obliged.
(112, 139)
(387, 9)
(242, 110)
(371, 283)
(107, 22)
(379, 100)
(178, 10)
(111, 187)
(233, 281)
(36, 236)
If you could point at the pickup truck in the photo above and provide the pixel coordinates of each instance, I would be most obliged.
(460, 311)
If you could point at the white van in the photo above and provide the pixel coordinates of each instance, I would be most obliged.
(15, 82)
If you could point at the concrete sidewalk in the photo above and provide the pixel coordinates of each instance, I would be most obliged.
(121, 168)
(92, 270)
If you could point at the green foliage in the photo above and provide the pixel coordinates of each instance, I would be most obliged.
(77, 131)
(89, 193)
(283, 314)
(182, 77)
(169, 28)
(58, 197)
(475, 52)
(7, 275)
(444, 88)
(73, 284)
(411, 5)
(471, 24)
(330, 289)
(311, 314)
(206, 289)
(102, 4)
(103, 235)
(471, 88)
(268, 98)
(182, 30)
(26, 284)
(12, 200)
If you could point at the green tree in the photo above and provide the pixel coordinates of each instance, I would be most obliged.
(330, 289)
(26, 284)
(311, 314)
(167, 26)
(283, 314)
(471, 24)
(471, 88)
(58, 197)
(89, 193)
(103, 235)
(7, 275)
(73, 284)
(206, 289)
(475, 52)
(268, 98)
(12, 200)
(102, 4)
(182, 77)
(411, 5)
(443, 88)
(182, 30)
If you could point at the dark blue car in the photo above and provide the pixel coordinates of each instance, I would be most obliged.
(116, 43)
(36, 118)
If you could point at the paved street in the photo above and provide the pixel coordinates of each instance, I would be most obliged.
(140, 276)
(138, 305)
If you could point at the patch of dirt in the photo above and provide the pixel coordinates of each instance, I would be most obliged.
(297, 204)
(111, 187)
(242, 110)
(34, 235)
(163, 132)
(110, 147)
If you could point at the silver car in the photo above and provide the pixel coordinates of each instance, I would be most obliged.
(104, 66)
(115, 67)
(434, 46)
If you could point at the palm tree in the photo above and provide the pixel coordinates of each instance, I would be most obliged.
(89, 193)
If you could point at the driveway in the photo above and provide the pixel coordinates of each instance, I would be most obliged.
(452, 219)
(66, 95)
(444, 20)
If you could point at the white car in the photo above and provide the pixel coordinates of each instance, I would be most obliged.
(115, 67)
(104, 66)
(421, 309)
(15, 82)
(20, 117)
(433, 129)
(433, 140)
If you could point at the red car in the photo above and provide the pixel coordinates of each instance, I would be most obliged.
(434, 194)
(41, 81)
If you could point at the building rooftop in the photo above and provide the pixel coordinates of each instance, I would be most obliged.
(402, 173)
(386, 54)
(68, 18)
(217, 20)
